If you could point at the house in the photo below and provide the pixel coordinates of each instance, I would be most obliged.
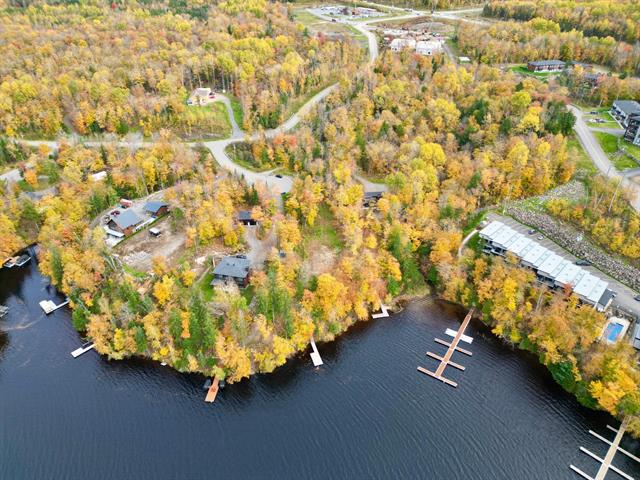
(201, 96)
(546, 66)
(621, 110)
(246, 217)
(156, 208)
(236, 268)
(428, 47)
(592, 79)
(125, 223)
(550, 268)
(632, 133)
(371, 198)
(99, 176)
(398, 44)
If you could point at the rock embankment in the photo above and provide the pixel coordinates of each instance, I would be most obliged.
(574, 241)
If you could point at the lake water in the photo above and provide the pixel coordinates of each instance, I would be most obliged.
(366, 414)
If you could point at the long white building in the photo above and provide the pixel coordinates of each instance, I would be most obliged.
(551, 269)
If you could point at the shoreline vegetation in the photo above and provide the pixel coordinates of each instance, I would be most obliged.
(449, 141)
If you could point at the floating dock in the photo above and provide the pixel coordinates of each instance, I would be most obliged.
(48, 306)
(212, 392)
(606, 462)
(83, 349)
(315, 355)
(383, 312)
(452, 347)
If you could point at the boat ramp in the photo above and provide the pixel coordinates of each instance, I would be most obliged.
(452, 347)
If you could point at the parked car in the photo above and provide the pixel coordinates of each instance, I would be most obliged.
(278, 175)
(532, 231)
(583, 263)
(115, 213)
(155, 232)
(637, 298)
(540, 237)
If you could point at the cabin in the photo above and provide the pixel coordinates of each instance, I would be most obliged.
(245, 217)
(235, 268)
(126, 222)
(156, 208)
(546, 66)
(622, 110)
(592, 79)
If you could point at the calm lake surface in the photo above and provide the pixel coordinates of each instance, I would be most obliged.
(366, 414)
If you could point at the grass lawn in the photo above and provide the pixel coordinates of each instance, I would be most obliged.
(523, 70)
(209, 119)
(323, 230)
(602, 114)
(620, 160)
(133, 272)
(238, 114)
(583, 161)
(204, 285)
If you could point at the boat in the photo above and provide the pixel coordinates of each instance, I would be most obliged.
(10, 262)
(22, 260)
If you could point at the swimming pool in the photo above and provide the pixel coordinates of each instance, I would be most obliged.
(612, 331)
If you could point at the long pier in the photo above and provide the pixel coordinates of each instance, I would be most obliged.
(48, 306)
(606, 462)
(315, 355)
(452, 347)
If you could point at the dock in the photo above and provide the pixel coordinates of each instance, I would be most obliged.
(3, 310)
(606, 462)
(48, 306)
(83, 349)
(315, 355)
(383, 312)
(452, 347)
(212, 392)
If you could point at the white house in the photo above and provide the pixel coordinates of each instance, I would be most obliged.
(429, 47)
(398, 44)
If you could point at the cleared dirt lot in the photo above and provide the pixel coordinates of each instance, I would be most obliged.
(138, 251)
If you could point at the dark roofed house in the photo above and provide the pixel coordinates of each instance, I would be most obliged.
(632, 133)
(125, 223)
(621, 110)
(246, 217)
(371, 198)
(546, 66)
(592, 79)
(236, 268)
(156, 208)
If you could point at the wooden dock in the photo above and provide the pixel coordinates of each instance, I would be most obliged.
(83, 349)
(315, 355)
(445, 360)
(48, 306)
(383, 312)
(213, 391)
(606, 462)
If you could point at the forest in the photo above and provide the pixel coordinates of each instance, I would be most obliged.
(541, 39)
(619, 19)
(87, 68)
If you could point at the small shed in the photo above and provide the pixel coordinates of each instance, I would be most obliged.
(236, 268)
(125, 223)
(246, 217)
(156, 208)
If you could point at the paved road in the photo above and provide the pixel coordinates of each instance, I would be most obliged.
(599, 158)
(624, 300)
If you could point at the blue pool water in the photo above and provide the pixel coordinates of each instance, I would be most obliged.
(612, 331)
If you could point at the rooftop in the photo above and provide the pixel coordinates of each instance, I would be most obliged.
(541, 63)
(234, 266)
(245, 215)
(627, 106)
(126, 219)
(155, 205)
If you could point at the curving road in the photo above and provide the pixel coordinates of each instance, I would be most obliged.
(600, 159)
